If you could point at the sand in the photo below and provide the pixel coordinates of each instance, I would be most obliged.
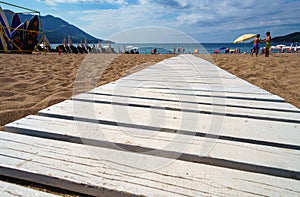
(30, 83)
(278, 74)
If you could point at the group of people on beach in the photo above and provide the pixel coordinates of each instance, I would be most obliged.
(180, 50)
(257, 40)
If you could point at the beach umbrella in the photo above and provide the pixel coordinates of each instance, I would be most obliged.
(70, 41)
(244, 37)
(109, 47)
(129, 47)
(86, 43)
(280, 45)
(64, 42)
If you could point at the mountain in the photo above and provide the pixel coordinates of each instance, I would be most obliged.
(293, 37)
(56, 29)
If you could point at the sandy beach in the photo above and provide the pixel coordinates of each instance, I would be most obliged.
(33, 82)
(30, 83)
(278, 74)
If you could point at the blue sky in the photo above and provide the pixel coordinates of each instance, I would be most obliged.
(203, 21)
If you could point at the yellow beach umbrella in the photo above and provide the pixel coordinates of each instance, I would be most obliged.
(244, 38)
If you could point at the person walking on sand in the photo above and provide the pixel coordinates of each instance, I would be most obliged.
(268, 44)
(255, 45)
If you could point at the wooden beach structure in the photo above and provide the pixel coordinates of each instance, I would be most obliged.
(182, 127)
(23, 31)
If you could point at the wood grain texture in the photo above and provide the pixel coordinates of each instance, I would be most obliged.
(175, 121)
(170, 145)
(194, 106)
(95, 170)
(148, 94)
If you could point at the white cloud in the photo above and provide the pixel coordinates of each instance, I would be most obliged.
(208, 18)
(152, 34)
(104, 23)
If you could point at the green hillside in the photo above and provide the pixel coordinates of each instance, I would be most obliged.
(293, 37)
(57, 29)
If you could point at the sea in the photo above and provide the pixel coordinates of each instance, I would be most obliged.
(165, 48)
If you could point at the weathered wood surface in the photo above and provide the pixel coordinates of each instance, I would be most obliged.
(13, 190)
(209, 76)
(212, 89)
(196, 107)
(110, 172)
(191, 92)
(189, 86)
(160, 119)
(124, 95)
(136, 140)
(182, 127)
(146, 95)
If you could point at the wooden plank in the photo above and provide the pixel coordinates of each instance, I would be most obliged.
(190, 92)
(250, 113)
(182, 61)
(212, 90)
(187, 65)
(100, 171)
(236, 82)
(208, 74)
(141, 140)
(184, 66)
(11, 190)
(181, 68)
(192, 107)
(273, 131)
(188, 71)
(150, 95)
(232, 84)
(189, 77)
(209, 87)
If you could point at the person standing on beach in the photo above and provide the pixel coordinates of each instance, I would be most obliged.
(255, 46)
(268, 44)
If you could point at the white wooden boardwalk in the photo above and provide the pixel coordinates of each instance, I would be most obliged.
(13, 190)
(182, 127)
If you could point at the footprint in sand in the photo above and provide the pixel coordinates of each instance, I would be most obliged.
(17, 99)
(41, 81)
(7, 80)
(8, 93)
(21, 85)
